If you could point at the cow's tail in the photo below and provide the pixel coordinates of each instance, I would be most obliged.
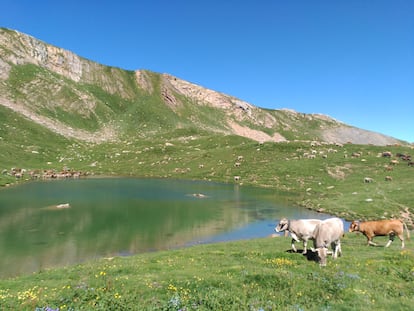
(406, 230)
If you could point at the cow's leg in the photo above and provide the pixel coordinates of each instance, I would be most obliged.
(293, 245)
(391, 238)
(401, 237)
(338, 250)
(336, 246)
(370, 242)
(305, 245)
(294, 239)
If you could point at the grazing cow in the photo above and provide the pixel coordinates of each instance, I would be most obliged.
(328, 233)
(368, 180)
(300, 230)
(370, 229)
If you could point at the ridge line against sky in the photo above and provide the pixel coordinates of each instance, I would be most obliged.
(352, 60)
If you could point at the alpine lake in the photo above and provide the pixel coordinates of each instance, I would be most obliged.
(46, 224)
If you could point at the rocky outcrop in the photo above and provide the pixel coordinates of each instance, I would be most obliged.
(17, 49)
(235, 109)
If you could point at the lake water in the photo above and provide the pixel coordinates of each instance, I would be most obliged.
(121, 216)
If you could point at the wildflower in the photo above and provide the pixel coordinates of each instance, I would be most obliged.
(27, 295)
(279, 262)
(4, 294)
(175, 301)
(46, 309)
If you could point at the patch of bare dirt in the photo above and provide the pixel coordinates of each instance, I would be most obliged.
(337, 172)
(254, 134)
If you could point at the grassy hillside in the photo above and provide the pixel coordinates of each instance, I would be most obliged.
(325, 178)
(258, 274)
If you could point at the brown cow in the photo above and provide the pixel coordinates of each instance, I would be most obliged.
(370, 229)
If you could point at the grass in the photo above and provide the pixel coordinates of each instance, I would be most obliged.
(259, 274)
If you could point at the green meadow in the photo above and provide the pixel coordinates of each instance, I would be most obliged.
(258, 274)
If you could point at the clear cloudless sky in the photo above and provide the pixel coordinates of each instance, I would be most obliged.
(352, 60)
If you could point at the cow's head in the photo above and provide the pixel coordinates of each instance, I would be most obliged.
(283, 225)
(354, 226)
(322, 255)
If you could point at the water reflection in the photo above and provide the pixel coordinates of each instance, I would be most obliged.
(110, 217)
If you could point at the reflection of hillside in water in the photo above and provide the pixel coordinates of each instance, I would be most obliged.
(62, 237)
(117, 217)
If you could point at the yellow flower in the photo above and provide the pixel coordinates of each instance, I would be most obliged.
(279, 262)
(27, 295)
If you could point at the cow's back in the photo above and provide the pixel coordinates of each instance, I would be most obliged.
(382, 227)
(304, 228)
(328, 231)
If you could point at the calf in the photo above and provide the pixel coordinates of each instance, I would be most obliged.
(370, 229)
(328, 233)
(300, 230)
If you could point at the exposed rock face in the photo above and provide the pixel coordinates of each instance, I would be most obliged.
(143, 80)
(234, 108)
(22, 49)
(206, 96)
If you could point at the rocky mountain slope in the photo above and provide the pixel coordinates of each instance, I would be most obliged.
(83, 100)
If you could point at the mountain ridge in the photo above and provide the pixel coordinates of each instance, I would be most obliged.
(80, 99)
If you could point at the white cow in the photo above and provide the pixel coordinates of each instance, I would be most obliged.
(300, 230)
(328, 233)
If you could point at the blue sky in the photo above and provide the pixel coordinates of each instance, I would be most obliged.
(352, 60)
